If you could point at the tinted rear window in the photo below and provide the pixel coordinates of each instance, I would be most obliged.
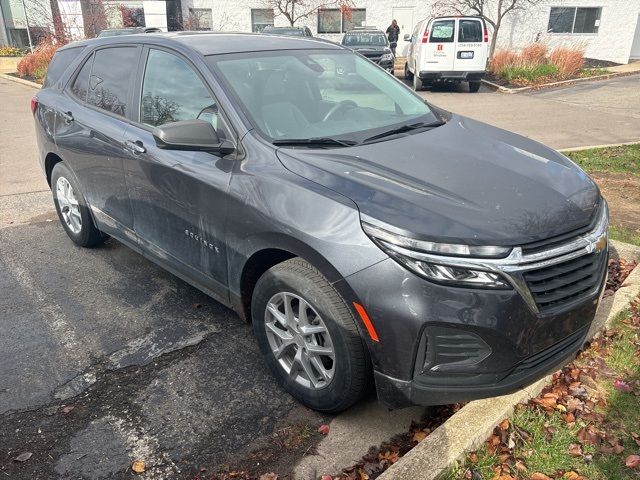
(442, 31)
(110, 78)
(61, 60)
(470, 31)
(364, 39)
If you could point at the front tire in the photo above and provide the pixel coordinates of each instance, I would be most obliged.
(309, 338)
(407, 73)
(72, 208)
(417, 83)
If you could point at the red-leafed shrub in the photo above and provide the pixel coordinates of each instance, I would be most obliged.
(568, 60)
(534, 54)
(35, 64)
(535, 64)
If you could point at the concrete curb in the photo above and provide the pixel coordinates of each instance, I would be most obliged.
(468, 428)
(591, 147)
(20, 80)
(561, 83)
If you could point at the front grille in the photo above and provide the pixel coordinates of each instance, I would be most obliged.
(562, 283)
(374, 57)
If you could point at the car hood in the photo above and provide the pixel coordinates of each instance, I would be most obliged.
(463, 182)
(370, 49)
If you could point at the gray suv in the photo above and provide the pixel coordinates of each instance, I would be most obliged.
(367, 235)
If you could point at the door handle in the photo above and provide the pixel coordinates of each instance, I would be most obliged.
(135, 146)
(67, 116)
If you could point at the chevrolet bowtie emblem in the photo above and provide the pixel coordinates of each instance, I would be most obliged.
(599, 245)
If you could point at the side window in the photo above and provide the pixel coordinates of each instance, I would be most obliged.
(470, 31)
(110, 78)
(171, 91)
(80, 85)
(442, 31)
(59, 63)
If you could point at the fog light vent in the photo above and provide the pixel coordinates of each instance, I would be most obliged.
(449, 350)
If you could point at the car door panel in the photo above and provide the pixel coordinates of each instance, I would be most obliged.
(179, 198)
(91, 141)
(471, 50)
(439, 53)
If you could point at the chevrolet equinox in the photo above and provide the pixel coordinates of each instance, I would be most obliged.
(368, 235)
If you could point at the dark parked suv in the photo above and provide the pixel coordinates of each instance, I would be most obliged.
(371, 43)
(366, 235)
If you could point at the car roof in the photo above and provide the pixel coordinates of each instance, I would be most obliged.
(213, 43)
(357, 31)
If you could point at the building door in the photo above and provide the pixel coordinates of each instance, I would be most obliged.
(635, 48)
(404, 17)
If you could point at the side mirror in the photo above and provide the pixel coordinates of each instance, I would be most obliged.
(407, 37)
(194, 135)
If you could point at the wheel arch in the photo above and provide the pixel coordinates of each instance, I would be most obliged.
(273, 250)
(50, 161)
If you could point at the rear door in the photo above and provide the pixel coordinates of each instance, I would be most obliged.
(471, 46)
(438, 54)
(89, 129)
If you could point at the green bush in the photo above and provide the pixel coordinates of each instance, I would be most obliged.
(529, 74)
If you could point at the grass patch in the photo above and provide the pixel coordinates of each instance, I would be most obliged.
(623, 159)
(624, 235)
(541, 439)
(533, 74)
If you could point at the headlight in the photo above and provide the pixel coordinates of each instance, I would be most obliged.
(409, 252)
(387, 56)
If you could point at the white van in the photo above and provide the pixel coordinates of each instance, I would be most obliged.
(447, 49)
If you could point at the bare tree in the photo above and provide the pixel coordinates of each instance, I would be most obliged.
(492, 11)
(294, 10)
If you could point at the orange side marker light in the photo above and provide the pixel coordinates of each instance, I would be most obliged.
(367, 321)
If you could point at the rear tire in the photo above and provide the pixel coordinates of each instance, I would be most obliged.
(417, 83)
(72, 208)
(474, 86)
(290, 299)
(407, 73)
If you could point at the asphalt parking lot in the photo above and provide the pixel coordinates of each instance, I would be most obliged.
(105, 358)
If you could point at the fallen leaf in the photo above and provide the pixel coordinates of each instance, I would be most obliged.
(23, 457)
(636, 438)
(389, 456)
(269, 476)
(138, 466)
(571, 475)
(520, 466)
(632, 461)
(473, 457)
(504, 424)
(362, 475)
(540, 476)
(569, 417)
(324, 429)
(575, 450)
(419, 436)
(621, 385)
(326, 477)
(67, 408)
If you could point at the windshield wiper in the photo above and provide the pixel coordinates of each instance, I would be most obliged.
(311, 142)
(403, 129)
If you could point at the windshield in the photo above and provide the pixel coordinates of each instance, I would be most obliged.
(365, 39)
(303, 94)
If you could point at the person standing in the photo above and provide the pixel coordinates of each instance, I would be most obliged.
(393, 33)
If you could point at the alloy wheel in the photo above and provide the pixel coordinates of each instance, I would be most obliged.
(299, 340)
(68, 203)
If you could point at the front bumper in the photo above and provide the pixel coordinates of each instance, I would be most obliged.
(443, 344)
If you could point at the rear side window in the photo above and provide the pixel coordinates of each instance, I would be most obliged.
(110, 78)
(59, 63)
(442, 31)
(80, 84)
(470, 31)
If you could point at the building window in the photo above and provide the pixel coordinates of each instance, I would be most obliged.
(260, 18)
(199, 19)
(574, 20)
(334, 20)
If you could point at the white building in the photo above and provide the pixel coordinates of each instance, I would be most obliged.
(607, 29)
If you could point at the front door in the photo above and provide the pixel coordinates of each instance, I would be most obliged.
(178, 197)
(404, 17)
(89, 133)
